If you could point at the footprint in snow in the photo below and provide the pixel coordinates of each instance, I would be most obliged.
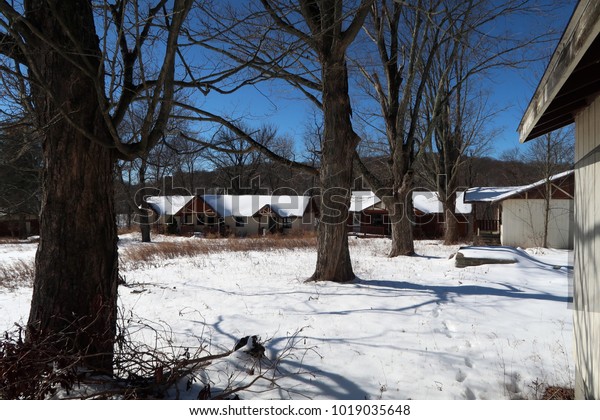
(448, 329)
(469, 394)
(460, 376)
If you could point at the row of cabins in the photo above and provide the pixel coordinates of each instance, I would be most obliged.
(512, 216)
(533, 215)
(250, 215)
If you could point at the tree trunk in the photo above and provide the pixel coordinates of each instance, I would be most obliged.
(451, 222)
(23, 232)
(451, 234)
(75, 287)
(547, 198)
(338, 146)
(143, 216)
(145, 225)
(401, 218)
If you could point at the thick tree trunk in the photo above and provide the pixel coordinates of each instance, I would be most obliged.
(338, 146)
(75, 287)
(333, 255)
(451, 222)
(451, 234)
(401, 219)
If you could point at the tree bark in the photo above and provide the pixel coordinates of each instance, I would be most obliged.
(401, 219)
(23, 233)
(145, 225)
(143, 215)
(338, 146)
(75, 287)
(451, 233)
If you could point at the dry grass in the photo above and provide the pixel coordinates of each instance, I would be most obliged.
(21, 273)
(149, 252)
(16, 274)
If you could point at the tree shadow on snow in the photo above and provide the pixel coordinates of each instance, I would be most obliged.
(442, 292)
(294, 375)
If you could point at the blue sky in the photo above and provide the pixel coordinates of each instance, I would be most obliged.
(512, 89)
(510, 92)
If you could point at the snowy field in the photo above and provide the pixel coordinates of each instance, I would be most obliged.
(408, 328)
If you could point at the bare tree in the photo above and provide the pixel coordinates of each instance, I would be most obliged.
(461, 133)
(237, 165)
(331, 30)
(83, 69)
(305, 44)
(313, 138)
(464, 119)
(426, 49)
(190, 164)
(406, 37)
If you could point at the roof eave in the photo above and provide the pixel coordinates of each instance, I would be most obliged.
(581, 32)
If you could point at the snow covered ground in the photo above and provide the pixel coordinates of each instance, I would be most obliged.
(408, 328)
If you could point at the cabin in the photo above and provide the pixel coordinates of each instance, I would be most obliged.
(569, 92)
(167, 211)
(368, 215)
(534, 215)
(20, 225)
(430, 220)
(237, 215)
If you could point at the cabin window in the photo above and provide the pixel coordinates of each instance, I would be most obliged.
(377, 219)
(287, 222)
(240, 221)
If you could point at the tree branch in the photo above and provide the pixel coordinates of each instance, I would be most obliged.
(207, 116)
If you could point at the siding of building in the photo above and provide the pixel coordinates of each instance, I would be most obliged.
(587, 249)
(523, 223)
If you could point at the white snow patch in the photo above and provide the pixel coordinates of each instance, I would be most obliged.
(408, 327)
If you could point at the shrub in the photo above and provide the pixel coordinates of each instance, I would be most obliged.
(31, 369)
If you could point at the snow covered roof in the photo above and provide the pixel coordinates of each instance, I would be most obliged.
(487, 194)
(494, 194)
(362, 200)
(428, 202)
(249, 205)
(168, 205)
(425, 201)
